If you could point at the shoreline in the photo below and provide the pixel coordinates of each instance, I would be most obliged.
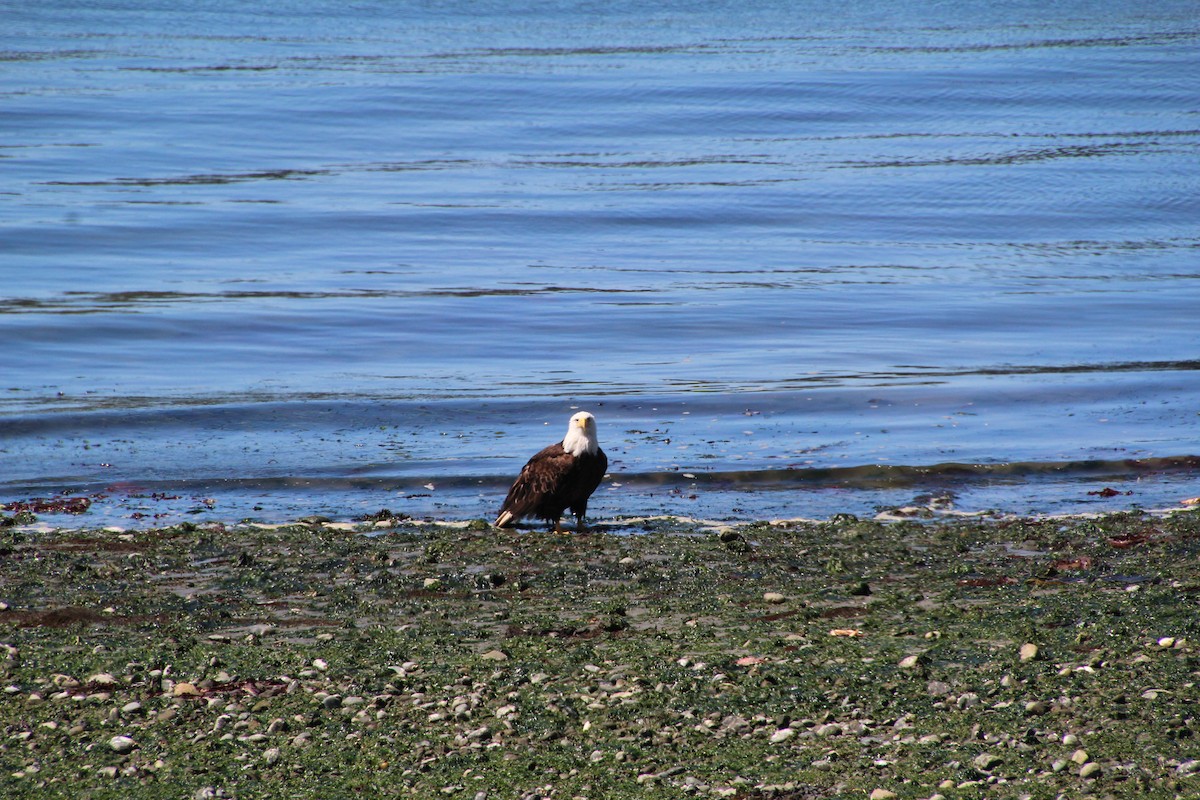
(856, 658)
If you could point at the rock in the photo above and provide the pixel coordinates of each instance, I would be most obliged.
(1037, 707)
(987, 761)
(495, 655)
(1029, 651)
(782, 735)
(272, 756)
(122, 744)
(910, 662)
(185, 690)
(849, 633)
(774, 598)
(882, 794)
(1090, 770)
(1080, 757)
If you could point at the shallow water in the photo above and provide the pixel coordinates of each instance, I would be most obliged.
(316, 258)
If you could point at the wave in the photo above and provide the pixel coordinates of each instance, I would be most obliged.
(867, 477)
(875, 476)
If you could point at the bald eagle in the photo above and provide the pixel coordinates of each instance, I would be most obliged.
(559, 477)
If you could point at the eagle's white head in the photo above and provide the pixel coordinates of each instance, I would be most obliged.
(581, 435)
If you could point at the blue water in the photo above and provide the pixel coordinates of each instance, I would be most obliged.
(798, 258)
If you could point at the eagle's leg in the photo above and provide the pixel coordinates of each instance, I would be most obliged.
(558, 526)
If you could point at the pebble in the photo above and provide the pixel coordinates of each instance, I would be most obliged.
(882, 794)
(1090, 770)
(910, 662)
(495, 655)
(272, 755)
(185, 690)
(987, 761)
(122, 744)
(774, 598)
(1037, 707)
(782, 735)
(1080, 757)
(1029, 651)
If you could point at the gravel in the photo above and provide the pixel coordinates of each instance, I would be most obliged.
(240, 661)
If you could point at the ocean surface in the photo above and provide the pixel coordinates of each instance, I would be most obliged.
(267, 260)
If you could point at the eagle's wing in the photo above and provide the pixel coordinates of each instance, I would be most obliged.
(541, 478)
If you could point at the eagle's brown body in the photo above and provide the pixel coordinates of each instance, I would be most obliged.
(556, 480)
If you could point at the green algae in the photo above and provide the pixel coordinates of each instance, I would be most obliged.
(426, 660)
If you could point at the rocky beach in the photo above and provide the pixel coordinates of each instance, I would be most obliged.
(985, 657)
